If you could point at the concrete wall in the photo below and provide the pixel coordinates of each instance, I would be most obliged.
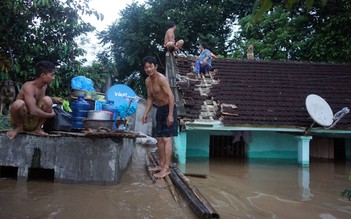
(198, 143)
(180, 147)
(262, 144)
(139, 126)
(73, 159)
(272, 145)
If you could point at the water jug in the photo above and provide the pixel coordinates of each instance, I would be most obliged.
(110, 106)
(98, 104)
(80, 109)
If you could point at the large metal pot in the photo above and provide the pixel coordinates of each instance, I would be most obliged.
(97, 124)
(99, 115)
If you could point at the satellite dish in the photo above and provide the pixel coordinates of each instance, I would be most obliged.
(319, 110)
(121, 95)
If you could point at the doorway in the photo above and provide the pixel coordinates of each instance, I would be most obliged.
(328, 148)
(223, 146)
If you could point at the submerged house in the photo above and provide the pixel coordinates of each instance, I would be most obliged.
(256, 109)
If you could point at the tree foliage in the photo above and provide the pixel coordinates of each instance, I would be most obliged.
(35, 30)
(318, 32)
(130, 39)
(200, 21)
(263, 6)
(141, 29)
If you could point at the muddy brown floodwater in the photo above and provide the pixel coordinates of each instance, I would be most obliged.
(260, 189)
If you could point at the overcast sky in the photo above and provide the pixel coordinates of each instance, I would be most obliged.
(110, 9)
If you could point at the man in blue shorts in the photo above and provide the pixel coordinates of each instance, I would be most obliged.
(160, 93)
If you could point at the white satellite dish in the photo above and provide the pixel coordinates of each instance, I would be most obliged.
(319, 110)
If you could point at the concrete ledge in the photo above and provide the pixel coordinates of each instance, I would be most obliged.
(74, 159)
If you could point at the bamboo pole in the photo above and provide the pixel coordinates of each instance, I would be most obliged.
(171, 188)
(192, 200)
(199, 175)
(197, 193)
(148, 165)
(197, 202)
(166, 179)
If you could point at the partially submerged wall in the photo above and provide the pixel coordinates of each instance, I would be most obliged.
(73, 159)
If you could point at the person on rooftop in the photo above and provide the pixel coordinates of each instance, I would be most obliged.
(169, 43)
(203, 63)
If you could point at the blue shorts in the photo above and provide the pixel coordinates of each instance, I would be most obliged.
(200, 68)
(162, 130)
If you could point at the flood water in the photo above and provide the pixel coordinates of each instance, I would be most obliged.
(236, 189)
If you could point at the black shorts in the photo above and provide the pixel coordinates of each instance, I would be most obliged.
(162, 130)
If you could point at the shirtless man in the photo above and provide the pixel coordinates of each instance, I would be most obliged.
(31, 108)
(170, 44)
(159, 91)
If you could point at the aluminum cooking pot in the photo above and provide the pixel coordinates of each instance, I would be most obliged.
(96, 124)
(99, 115)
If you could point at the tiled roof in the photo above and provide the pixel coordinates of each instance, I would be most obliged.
(266, 93)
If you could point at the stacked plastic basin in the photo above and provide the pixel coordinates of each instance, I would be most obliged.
(80, 109)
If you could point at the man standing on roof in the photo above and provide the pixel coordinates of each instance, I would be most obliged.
(170, 44)
(159, 91)
(203, 64)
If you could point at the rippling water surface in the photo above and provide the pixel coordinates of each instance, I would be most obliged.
(236, 189)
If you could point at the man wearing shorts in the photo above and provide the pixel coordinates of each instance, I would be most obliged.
(170, 44)
(32, 108)
(203, 64)
(159, 92)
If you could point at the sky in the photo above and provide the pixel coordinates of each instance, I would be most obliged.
(110, 9)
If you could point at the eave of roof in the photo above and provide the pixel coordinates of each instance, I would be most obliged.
(218, 126)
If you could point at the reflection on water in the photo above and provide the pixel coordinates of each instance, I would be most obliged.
(264, 188)
(236, 189)
(304, 183)
(135, 197)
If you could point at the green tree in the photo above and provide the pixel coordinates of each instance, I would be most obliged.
(140, 30)
(34, 30)
(130, 39)
(263, 6)
(316, 33)
(331, 40)
(200, 21)
(278, 36)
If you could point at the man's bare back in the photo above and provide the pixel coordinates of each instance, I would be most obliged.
(169, 42)
(169, 36)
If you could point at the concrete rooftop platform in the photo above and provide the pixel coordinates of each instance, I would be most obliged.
(71, 158)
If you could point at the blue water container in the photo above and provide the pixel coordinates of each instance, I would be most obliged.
(110, 106)
(80, 109)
